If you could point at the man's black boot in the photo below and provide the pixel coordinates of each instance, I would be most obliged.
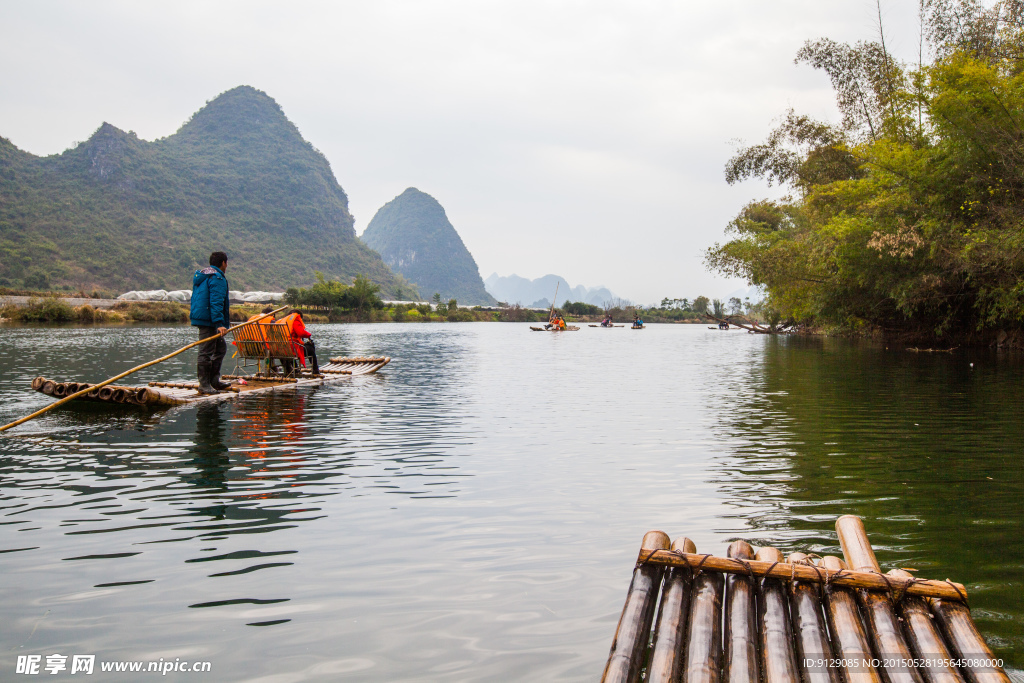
(204, 371)
(218, 384)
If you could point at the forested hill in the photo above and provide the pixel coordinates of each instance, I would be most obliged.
(413, 235)
(117, 212)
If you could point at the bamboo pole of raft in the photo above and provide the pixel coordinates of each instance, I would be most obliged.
(835, 577)
(925, 639)
(849, 639)
(813, 649)
(634, 627)
(954, 619)
(890, 645)
(128, 372)
(704, 640)
(666, 662)
(741, 663)
(778, 659)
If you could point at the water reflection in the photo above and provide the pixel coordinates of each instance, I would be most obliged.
(473, 511)
(210, 452)
(923, 447)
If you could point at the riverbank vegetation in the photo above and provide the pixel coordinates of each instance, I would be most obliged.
(906, 216)
(53, 309)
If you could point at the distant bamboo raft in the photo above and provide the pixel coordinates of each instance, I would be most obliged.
(163, 394)
(760, 617)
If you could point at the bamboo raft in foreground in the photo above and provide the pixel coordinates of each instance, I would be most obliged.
(163, 394)
(755, 617)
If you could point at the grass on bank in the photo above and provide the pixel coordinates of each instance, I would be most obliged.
(53, 309)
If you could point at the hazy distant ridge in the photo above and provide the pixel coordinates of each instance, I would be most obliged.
(515, 289)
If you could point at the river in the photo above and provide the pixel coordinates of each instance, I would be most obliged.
(473, 511)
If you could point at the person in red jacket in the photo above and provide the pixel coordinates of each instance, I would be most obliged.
(302, 342)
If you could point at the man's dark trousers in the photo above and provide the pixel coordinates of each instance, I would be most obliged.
(211, 354)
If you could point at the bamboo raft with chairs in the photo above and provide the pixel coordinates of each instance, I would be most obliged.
(755, 616)
(262, 343)
(165, 394)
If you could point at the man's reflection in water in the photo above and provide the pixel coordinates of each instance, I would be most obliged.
(234, 453)
(210, 452)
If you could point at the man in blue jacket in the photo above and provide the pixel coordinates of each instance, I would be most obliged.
(210, 312)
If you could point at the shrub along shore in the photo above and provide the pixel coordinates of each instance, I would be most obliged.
(53, 309)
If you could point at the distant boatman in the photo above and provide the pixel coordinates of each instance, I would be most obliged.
(210, 312)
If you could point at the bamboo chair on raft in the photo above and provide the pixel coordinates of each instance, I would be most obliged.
(264, 343)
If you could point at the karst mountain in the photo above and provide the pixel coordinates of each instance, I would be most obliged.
(413, 235)
(118, 212)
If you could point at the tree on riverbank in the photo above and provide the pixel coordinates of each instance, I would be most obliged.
(907, 215)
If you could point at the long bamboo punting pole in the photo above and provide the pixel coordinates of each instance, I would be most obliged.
(704, 640)
(965, 641)
(890, 646)
(925, 639)
(850, 643)
(813, 649)
(666, 663)
(778, 658)
(741, 663)
(126, 373)
(634, 627)
(785, 571)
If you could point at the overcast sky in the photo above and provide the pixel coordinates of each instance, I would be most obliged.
(583, 138)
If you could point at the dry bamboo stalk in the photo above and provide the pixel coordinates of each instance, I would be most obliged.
(158, 398)
(813, 650)
(634, 627)
(37, 383)
(48, 387)
(965, 641)
(704, 640)
(856, 548)
(890, 646)
(666, 663)
(924, 638)
(778, 658)
(741, 664)
(939, 589)
(849, 639)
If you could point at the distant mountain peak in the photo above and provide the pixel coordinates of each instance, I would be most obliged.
(517, 289)
(106, 154)
(413, 235)
(239, 113)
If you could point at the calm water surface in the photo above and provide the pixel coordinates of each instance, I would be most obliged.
(473, 512)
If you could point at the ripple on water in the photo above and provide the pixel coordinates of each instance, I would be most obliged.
(473, 511)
